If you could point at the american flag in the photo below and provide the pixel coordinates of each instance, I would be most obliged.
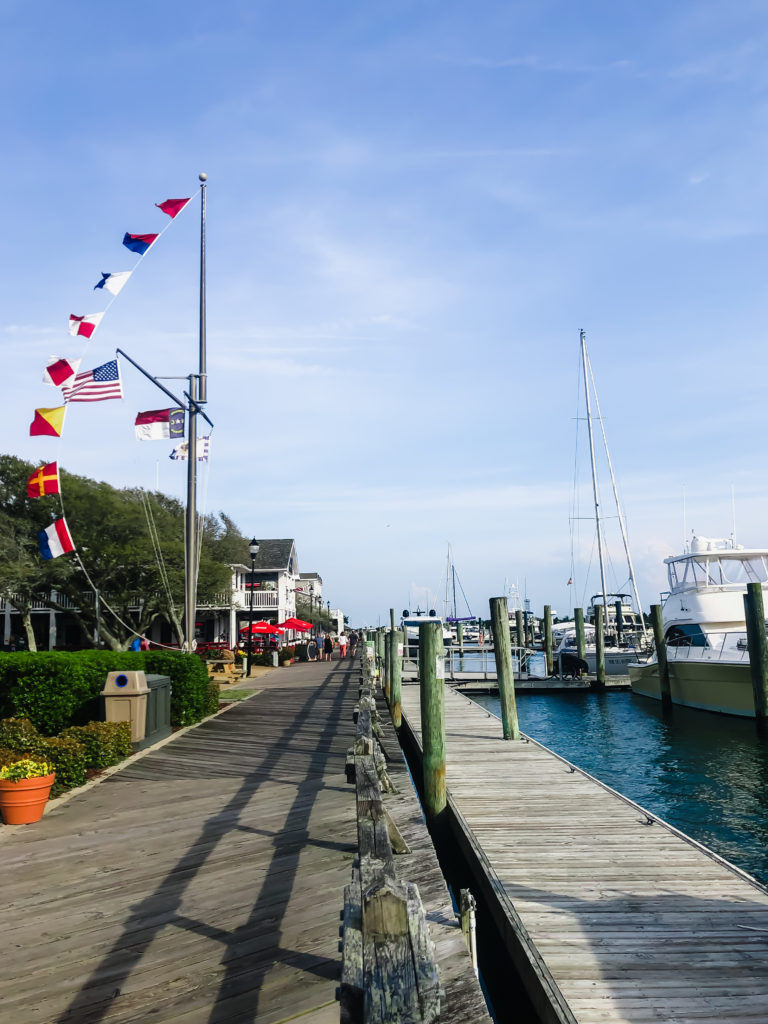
(96, 385)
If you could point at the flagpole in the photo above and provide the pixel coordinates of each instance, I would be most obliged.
(203, 398)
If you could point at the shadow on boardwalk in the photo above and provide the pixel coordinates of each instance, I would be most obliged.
(267, 776)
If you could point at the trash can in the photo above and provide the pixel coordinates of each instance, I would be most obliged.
(125, 700)
(158, 710)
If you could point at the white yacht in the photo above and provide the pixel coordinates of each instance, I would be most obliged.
(705, 629)
(411, 622)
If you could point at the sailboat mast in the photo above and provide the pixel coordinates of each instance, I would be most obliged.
(619, 512)
(595, 491)
(198, 394)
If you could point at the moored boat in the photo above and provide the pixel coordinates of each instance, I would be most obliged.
(705, 630)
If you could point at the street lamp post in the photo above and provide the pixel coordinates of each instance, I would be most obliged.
(253, 547)
(312, 603)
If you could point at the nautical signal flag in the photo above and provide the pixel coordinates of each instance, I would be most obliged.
(58, 371)
(113, 282)
(48, 422)
(95, 385)
(138, 243)
(181, 451)
(159, 424)
(172, 206)
(84, 325)
(44, 480)
(56, 540)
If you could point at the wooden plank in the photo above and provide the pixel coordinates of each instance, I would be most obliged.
(614, 915)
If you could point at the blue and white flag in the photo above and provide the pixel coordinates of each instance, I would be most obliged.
(113, 282)
(181, 451)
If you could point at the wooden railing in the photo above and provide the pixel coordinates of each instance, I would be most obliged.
(389, 972)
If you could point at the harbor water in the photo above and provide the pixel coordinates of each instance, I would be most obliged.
(705, 774)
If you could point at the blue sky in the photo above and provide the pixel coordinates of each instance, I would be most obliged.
(413, 209)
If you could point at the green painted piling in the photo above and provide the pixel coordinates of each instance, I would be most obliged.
(599, 646)
(502, 652)
(661, 656)
(520, 638)
(758, 649)
(548, 637)
(460, 636)
(581, 641)
(431, 685)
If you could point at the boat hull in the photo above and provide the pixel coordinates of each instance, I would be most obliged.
(721, 686)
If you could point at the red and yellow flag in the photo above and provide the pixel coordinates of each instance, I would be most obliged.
(48, 422)
(44, 480)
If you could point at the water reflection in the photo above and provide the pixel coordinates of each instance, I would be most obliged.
(706, 774)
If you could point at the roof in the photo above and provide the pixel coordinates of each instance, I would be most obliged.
(310, 576)
(274, 556)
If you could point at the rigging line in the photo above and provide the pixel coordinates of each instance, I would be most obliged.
(152, 529)
(619, 512)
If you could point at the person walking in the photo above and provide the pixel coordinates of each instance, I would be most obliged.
(327, 647)
(342, 645)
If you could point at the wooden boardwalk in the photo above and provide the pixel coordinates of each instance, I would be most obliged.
(204, 881)
(612, 917)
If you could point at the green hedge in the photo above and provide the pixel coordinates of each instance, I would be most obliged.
(105, 743)
(56, 689)
(67, 756)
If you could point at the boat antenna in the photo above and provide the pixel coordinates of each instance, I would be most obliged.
(619, 512)
(733, 515)
(685, 527)
(595, 490)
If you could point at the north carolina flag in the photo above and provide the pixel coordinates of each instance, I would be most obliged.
(138, 243)
(84, 325)
(48, 422)
(159, 424)
(172, 206)
(56, 540)
(44, 480)
(113, 282)
(58, 371)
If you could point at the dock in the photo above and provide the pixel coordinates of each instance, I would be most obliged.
(204, 880)
(611, 916)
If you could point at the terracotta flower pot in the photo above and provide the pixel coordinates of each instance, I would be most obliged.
(24, 801)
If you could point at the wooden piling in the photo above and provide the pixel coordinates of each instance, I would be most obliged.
(502, 651)
(432, 683)
(661, 656)
(619, 621)
(599, 647)
(520, 638)
(396, 689)
(548, 637)
(758, 649)
(460, 636)
(581, 641)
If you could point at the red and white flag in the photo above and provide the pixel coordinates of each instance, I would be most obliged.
(59, 371)
(84, 325)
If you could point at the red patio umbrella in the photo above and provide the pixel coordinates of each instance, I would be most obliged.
(298, 624)
(262, 627)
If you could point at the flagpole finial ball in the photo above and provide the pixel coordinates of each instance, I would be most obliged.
(203, 176)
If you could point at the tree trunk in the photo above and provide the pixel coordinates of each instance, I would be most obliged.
(26, 620)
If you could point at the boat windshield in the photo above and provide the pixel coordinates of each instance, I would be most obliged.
(703, 571)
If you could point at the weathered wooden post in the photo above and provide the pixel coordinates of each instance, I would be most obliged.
(548, 637)
(661, 656)
(581, 642)
(379, 638)
(388, 655)
(460, 636)
(758, 649)
(396, 690)
(599, 647)
(520, 638)
(619, 621)
(502, 650)
(526, 616)
(432, 682)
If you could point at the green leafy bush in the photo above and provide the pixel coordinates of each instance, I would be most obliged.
(68, 758)
(18, 734)
(8, 756)
(105, 743)
(57, 689)
(212, 698)
(285, 654)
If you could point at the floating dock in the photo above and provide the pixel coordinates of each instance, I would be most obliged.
(611, 916)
